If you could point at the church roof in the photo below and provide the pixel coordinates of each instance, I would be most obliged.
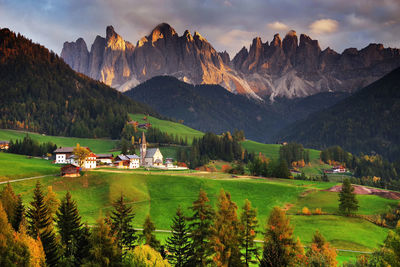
(150, 152)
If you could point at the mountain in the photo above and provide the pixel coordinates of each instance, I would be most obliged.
(212, 108)
(120, 64)
(367, 121)
(39, 92)
(291, 68)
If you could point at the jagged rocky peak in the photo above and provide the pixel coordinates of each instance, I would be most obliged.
(162, 31)
(188, 36)
(306, 40)
(114, 40)
(277, 41)
(76, 55)
(225, 57)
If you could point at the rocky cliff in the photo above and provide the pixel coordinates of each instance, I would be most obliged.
(292, 67)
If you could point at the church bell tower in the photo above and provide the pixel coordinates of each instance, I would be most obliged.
(143, 148)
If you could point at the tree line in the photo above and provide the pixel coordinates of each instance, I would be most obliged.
(371, 170)
(212, 147)
(31, 147)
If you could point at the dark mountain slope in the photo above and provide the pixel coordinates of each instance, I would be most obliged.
(368, 121)
(206, 107)
(39, 92)
(212, 108)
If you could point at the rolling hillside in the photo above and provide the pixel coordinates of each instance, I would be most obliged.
(366, 122)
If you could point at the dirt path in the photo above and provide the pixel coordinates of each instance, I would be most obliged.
(364, 190)
(25, 179)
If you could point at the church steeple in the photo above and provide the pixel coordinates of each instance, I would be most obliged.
(143, 148)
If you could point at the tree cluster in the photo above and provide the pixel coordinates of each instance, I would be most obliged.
(293, 152)
(212, 147)
(265, 168)
(31, 147)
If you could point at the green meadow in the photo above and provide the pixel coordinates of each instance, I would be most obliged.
(96, 145)
(14, 166)
(170, 127)
(160, 193)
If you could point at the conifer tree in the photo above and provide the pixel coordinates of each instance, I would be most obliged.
(225, 233)
(199, 225)
(279, 246)
(121, 224)
(104, 249)
(40, 225)
(148, 234)
(52, 202)
(248, 234)
(19, 214)
(178, 244)
(348, 203)
(70, 229)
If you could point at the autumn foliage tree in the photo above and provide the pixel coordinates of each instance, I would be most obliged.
(81, 153)
(320, 252)
(225, 237)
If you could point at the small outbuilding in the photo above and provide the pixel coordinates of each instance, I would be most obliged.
(70, 170)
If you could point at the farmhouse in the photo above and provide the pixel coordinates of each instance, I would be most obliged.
(151, 157)
(127, 161)
(4, 145)
(104, 158)
(65, 155)
(70, 170)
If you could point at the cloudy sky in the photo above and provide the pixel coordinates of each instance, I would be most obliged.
(227, 24)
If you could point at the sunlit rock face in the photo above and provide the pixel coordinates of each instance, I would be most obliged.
(292, 67)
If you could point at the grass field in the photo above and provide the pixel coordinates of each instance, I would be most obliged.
(14, 166)
(96, 145)
(160, 194)
(269, 150)
(170, 127)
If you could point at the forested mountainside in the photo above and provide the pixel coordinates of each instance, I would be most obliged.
(367, 121)
(41, 93)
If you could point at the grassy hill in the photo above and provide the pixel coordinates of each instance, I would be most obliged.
(159, 193)
(96, 145)
(168, 126)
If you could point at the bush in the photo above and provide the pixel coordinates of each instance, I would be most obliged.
(306, 211)
(145, 256)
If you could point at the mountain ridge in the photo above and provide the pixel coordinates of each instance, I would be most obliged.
(291, 67)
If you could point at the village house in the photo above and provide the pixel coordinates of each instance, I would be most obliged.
(70, 170)
(151, 157)
(106, 159)
(127, 161)
(65, 155)
(4, 145)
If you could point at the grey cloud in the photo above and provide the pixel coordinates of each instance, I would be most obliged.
(225, 23)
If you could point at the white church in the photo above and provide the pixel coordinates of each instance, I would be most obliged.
(151, 157)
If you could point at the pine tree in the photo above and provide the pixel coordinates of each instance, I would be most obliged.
(200, 222)
(19, 214)
(52, 202)
(348, 203)
(249, 222)
(279, 246)
(225, 233)
(40, 225)
(178, 244)
(121, 224)
(70, 228)
(148, 234)
(104, 248)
